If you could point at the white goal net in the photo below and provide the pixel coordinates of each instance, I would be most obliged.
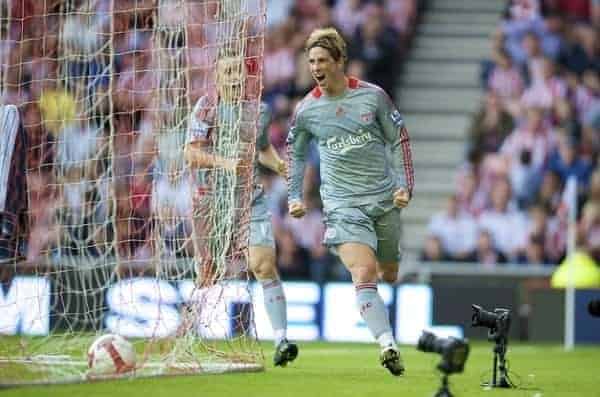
(121, 235)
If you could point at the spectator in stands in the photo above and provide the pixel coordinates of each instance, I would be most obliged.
(549, 193)
(588, 38)
(505, 79)
(589, 229)
(534, 135)
(456, 230)
(507, 225)
(42, 71)
(594, 192)
(38, 140)
(402, 16)
(574, 10)
(13, 91)
(533, 57)
(471, 196)
(490, 125)
(549, 92)
(546, 230)
(575, 56)
(525, 179)
(520, 20)
(587, 94)
(534, 251)
(376, 43)
(551, 33)
(486, 253)
(278, 11)
(279, 63)
(541, 37)
(432, 250)
(137, 78)
(565, 162)
(538, 220)
(77, 148)
(82, 39)
(347, 15)
(589, 147)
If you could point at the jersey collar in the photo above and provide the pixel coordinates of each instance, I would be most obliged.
(352, 84)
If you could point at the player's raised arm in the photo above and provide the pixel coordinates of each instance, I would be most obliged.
(401, 158)
(297, 141)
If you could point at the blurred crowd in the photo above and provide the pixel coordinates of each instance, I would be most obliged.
(98, 152)
(538, 127)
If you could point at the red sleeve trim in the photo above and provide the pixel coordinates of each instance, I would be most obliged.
(353, 82)
(408, 166)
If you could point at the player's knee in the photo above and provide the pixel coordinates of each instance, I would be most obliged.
(364, 273)
(263, 267)
(265, 272)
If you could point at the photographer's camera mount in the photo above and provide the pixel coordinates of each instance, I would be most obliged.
(498, 324)
(444, 390)
(454, 354)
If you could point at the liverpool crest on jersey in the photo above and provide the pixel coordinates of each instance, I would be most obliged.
(367, 117)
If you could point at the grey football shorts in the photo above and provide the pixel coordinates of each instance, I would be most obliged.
(261, 229)
(376, 225)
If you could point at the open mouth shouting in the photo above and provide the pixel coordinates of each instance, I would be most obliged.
(320, 78)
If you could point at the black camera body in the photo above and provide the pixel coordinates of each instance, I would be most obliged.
(454, 351)
(498, 325)
(497, 322)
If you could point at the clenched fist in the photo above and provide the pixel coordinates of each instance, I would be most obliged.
(281, 168)
(401, 198)
(297, 209)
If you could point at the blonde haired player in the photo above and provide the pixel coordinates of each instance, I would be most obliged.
(366, 174)
(226, 107)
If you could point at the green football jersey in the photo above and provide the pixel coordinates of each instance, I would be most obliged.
(363, 146)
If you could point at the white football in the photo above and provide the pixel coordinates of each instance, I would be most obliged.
(111, 354)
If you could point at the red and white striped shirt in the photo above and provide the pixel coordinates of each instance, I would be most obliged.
(584, 100)
(545, 93)
(540, 143)
(507, 83)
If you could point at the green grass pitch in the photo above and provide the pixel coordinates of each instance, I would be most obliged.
(328, 369)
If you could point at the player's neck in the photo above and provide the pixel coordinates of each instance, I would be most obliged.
(336, 87)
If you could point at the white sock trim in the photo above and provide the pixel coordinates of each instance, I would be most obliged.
(387, 340)
(280, 334)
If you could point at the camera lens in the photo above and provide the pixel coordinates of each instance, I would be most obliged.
(426, 342)
(483, 318)
(454, 351)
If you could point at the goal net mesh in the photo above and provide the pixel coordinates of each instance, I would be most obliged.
(122, 235)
